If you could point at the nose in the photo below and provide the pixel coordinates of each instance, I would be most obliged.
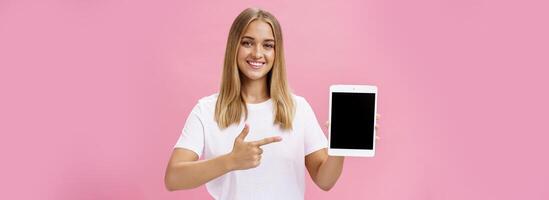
(256, 53)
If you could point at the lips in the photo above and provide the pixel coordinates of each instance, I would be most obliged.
(255, 64)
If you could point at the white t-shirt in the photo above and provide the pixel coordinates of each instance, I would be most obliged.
(281, 174)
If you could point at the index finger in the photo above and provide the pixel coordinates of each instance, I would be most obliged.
(268, 140)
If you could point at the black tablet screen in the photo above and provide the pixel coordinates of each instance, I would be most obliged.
(352, 120)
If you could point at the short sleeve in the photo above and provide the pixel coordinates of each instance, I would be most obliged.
(314, 136)
(192, 135)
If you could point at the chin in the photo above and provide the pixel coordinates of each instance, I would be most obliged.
(255, 75)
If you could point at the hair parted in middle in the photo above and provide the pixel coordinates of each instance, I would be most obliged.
(231, 106)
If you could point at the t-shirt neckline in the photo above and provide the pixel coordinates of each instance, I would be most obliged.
(260, 104)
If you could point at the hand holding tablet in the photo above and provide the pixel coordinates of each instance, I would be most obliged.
(352, 116)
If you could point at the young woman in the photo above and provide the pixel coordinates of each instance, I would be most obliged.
(255, 136)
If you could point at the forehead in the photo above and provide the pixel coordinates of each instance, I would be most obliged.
(259, 30)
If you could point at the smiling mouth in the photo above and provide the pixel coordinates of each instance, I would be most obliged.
(255, 64)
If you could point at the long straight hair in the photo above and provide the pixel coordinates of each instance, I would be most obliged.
(230, 105)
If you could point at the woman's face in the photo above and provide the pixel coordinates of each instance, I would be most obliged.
(256, 50)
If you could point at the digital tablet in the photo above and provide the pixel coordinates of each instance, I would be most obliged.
(352, 119)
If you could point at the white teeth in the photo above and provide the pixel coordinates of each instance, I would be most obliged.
(255, 63)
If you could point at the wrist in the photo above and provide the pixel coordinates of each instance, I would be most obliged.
(228, 162)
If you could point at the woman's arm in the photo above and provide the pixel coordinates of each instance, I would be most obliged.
(184, 171)
(324, 169)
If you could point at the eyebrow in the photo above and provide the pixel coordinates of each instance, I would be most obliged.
(248, 37)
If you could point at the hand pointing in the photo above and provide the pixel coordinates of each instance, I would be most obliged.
(246, 155)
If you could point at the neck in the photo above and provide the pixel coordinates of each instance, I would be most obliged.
(255, 91)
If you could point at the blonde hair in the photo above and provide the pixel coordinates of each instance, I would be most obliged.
(230, 104)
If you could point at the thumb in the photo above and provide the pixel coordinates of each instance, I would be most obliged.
(244, 133)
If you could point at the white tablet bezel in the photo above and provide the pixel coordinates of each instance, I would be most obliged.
(352, 89)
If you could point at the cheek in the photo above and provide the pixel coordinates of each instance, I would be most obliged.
(241, 54)
(270, 57)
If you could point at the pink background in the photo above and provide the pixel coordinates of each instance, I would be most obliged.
(94, 93)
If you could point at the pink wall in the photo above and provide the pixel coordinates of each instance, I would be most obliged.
(95, 93)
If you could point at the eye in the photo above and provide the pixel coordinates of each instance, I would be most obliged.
(246, 43)
(268, 46)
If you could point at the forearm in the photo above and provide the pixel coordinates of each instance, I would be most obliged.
(187, 175)
(329, 171)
